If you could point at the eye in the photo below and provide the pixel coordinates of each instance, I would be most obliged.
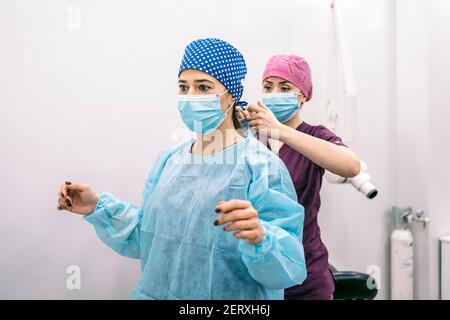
(285, 89)
(267, 88)
(183, 88)
(203, 88)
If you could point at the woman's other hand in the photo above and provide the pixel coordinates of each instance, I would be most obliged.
(242, 218)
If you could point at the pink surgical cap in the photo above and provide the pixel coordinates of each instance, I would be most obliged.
(293, 69)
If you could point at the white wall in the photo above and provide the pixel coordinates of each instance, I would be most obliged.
(440, 131)
(423, 74)
(97, 105)
(413, 112)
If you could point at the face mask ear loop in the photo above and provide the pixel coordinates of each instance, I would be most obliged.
(221, 94)
(301, 103)
(226, 112)
(231, 106)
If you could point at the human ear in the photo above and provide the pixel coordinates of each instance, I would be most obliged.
(301, 99)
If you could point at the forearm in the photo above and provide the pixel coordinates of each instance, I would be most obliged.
(337, 159)
(117, 224)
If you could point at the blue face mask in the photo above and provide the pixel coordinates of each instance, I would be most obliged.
(282, 104)
(202, 113)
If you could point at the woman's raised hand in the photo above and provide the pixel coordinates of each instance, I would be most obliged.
(77, 198)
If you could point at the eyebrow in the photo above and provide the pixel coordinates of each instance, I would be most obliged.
(281, 82)
(196, 81)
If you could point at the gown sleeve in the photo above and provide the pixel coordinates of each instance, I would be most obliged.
(278, 261)
(117, 223)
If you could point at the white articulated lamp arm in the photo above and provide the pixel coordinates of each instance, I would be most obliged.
(361, 182)
(340, 56)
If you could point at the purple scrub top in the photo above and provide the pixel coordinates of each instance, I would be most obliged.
(307, 179)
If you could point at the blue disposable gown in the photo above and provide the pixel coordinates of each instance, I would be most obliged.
(183, 254)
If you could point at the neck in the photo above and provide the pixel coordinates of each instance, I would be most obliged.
(295, 121)
(224, 136)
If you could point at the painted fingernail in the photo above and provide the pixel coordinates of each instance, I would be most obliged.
(217, 210)
(68, 182)
(59, 207)
(216, 222)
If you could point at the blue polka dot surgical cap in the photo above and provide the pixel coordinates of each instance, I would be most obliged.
(218, 59)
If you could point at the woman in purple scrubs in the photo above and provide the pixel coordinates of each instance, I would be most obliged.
(307, 150)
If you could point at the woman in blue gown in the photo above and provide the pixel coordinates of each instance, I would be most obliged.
(219, 217)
